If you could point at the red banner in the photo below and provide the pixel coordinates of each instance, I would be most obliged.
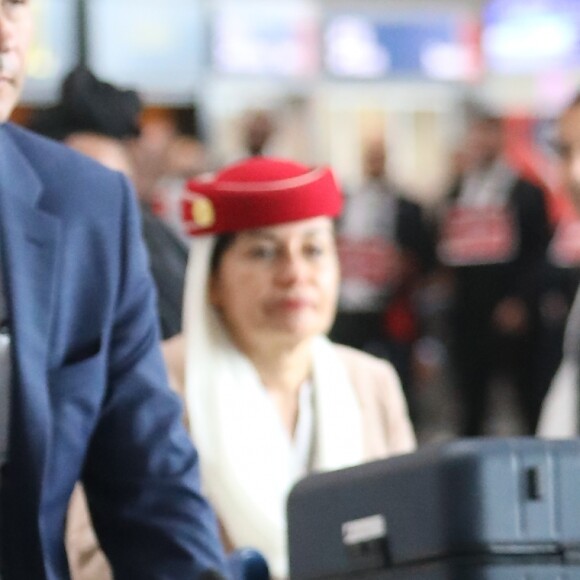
(372, 259)
(472, 236)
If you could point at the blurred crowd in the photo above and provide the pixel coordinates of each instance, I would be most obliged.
(467, 298)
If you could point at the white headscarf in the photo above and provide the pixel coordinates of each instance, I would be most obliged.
(244, 449)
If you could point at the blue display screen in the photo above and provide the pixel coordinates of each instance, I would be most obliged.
(527, 36)
(363, 46)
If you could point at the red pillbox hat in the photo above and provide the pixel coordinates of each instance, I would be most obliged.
(258, 192)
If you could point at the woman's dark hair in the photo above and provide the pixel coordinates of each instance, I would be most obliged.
(223, 242)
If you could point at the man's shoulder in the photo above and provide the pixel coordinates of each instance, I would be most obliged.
(29, 142)
(38, 148)
(528, 196)
(50, 158)
(524, 185)
(68, 178)
(408, 207)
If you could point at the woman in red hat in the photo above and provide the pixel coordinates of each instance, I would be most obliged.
(268, 397)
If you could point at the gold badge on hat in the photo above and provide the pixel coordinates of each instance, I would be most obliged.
(202, 212)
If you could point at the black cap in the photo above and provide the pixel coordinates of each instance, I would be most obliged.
(88, 104)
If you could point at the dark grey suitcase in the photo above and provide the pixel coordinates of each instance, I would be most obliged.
(501, 509)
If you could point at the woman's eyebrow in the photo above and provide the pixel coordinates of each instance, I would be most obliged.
(259, 234)
(267, 234)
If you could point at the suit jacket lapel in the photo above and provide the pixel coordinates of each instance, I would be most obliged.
(29, 242)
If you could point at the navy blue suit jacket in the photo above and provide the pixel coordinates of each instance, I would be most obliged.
(89, 392)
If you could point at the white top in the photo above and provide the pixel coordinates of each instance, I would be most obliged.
(490, 186)
(303, 442)
(559, 416)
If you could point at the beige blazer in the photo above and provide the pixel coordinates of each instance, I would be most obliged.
(387, 428)
(387, 431)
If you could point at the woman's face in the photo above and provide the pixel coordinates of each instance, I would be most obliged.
(278, 285)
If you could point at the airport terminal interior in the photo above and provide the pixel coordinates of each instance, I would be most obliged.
(327, 77)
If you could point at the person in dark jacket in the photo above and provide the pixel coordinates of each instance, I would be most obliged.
(493, 237)
(385, 250)
(98, 119)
